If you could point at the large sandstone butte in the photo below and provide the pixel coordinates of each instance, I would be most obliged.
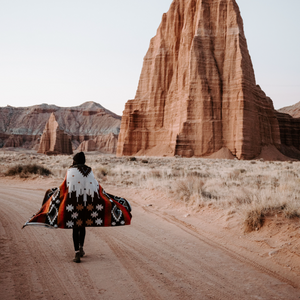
(23, 126)
(54, 140)
(197, 92)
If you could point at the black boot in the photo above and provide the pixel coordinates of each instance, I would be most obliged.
(82, 253)
(77, 257)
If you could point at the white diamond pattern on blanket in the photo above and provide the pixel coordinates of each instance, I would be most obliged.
(52, 214)
(116, 213)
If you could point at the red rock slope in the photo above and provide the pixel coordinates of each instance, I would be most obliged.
(197, 91)
(23, 126)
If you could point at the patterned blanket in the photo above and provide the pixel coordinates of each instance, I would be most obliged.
(81, 202)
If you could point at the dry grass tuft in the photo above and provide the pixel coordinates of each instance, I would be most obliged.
(186, 188)
(291, 213)
(254, 220)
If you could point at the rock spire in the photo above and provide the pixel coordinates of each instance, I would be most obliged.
(197, 92)
(54, 140)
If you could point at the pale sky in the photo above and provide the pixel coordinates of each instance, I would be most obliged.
(67, 52)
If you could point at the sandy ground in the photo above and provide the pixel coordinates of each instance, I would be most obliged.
(167, 253)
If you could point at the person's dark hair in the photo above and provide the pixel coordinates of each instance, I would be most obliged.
(79, 159)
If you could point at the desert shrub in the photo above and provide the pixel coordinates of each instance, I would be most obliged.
(268, 203)
(275, 182)
(155, 174)
(175, 173)
(258, 181)
(132, 158)
(198, 174)
(243, 199)
(101, 171)
(208, 195)
(234, 174)
(188, 187)
(254, 219)
(25, 170)
(291, 211)
(144, 161)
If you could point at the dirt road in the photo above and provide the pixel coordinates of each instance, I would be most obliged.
(159, 257)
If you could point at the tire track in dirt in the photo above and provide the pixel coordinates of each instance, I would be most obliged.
(260, 284)
(21, 263)
(195, 232)
(130, 265)
(145, 270)
(177, 275)
(204, 238)
(29, 256)
(201, 275)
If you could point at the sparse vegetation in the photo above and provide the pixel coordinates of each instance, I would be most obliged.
(25, 170)
(255, 190)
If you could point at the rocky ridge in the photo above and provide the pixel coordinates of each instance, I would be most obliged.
(23, 126)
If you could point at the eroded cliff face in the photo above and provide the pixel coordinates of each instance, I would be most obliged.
(54, 140)
(289, 124)
(289, 134)
(104, 143)
(197, 91)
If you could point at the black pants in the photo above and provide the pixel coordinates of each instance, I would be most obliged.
(78, 237)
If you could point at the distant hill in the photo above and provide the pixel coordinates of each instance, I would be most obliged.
(23, 126)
